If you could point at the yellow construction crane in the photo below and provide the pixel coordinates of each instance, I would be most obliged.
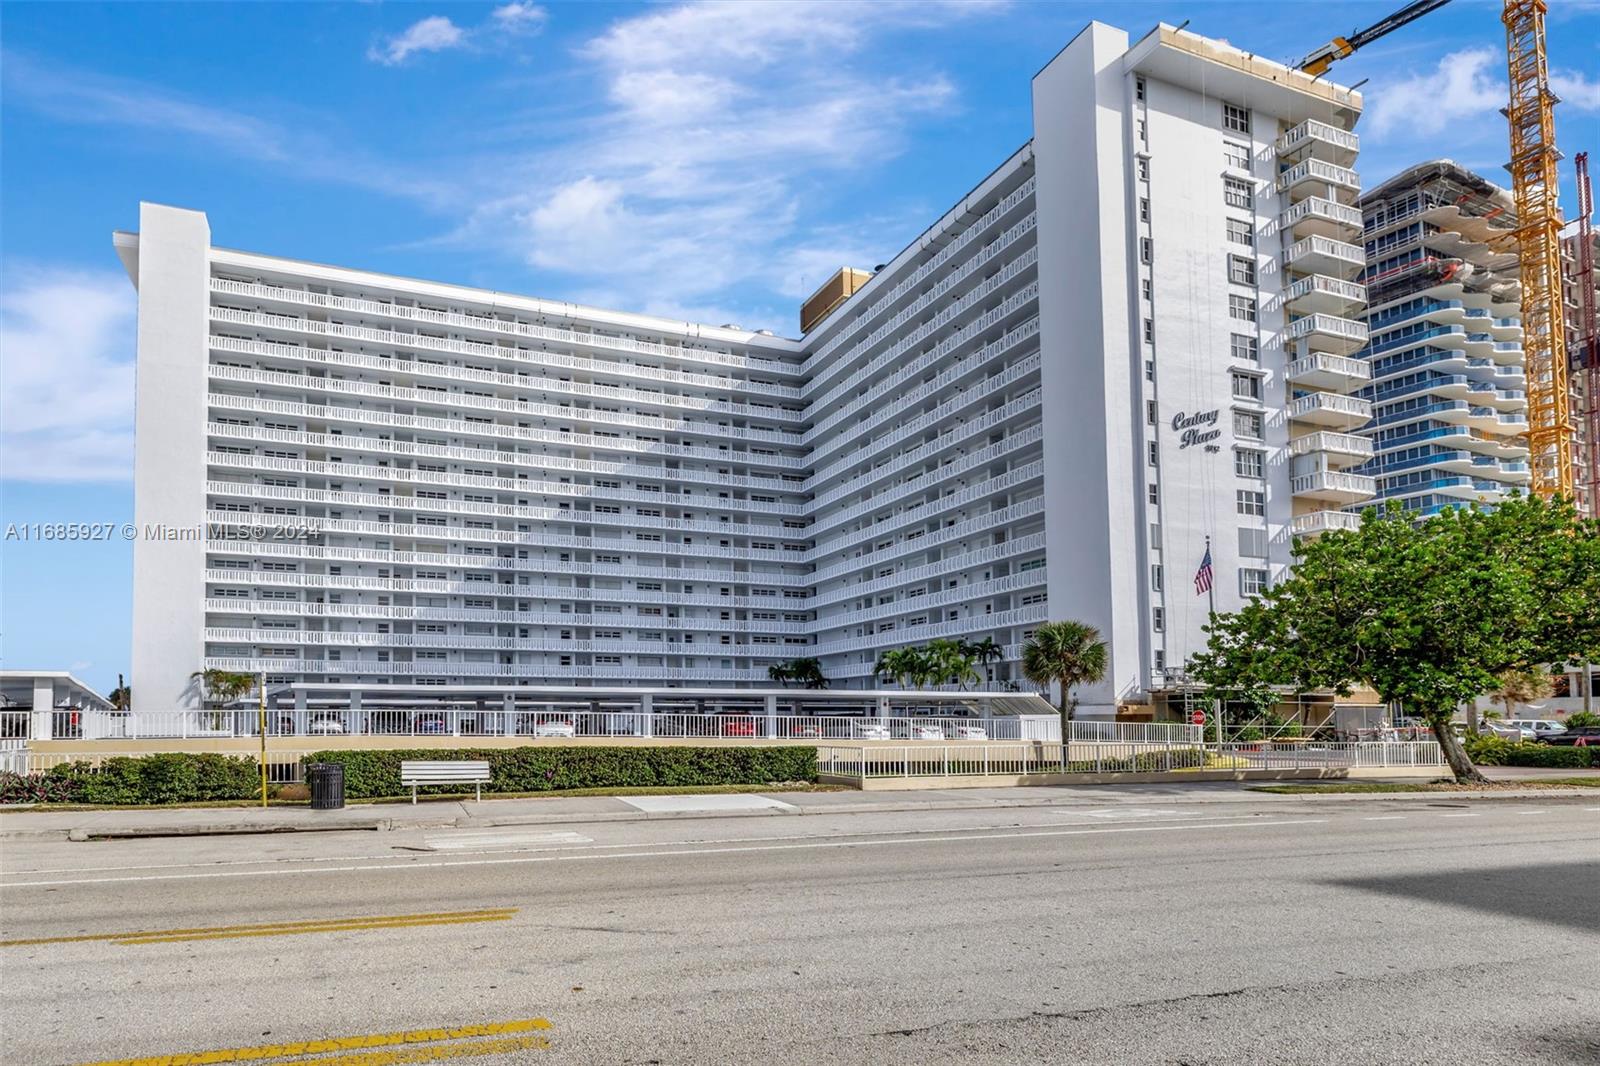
(1534, 186)
(1317, 63)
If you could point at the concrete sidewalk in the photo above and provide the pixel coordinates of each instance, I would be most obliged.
(23, 824)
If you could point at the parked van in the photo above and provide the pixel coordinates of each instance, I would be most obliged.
(1543, 728)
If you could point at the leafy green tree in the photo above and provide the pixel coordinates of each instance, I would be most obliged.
(1067, 653)
(1429, 614)
(1518, 687)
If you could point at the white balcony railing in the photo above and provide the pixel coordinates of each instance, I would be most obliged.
(1317, 522)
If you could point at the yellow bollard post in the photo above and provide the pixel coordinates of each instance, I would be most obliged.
(262, 687)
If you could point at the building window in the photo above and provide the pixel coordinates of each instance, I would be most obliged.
(1144, 132)
(1146, 251)
(1138, 88)
(1149, 369)
(1150, 411)
(1236, 156)
(1242, 308)
(1251, 502)
(1252, 582)
(1244, 348)
(1247, 424)
(1241, 270)
(1247, 462)
(1153, 494)
(1236, 119)
(1158, 619)
(1241, 232)
(1153, 453)
(1246, 386)
(1149, 331)
(1161, 660)
(1155, 577)
(1144, 169)
(1146, 289)
(1236, 192)
(1144, 209)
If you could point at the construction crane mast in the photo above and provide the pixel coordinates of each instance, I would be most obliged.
(1534, 187)
(1317, 63)
(1588, 332)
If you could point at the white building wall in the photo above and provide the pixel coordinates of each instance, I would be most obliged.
(508, 489)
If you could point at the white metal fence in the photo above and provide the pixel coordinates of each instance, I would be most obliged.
(859, 762)
(204, 724)
(283, 767)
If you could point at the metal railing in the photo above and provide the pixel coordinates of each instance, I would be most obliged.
(859, 763)
(576, 719)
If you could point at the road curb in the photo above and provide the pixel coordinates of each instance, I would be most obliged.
(489, 821)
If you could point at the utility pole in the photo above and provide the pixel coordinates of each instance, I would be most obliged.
(1211, 617)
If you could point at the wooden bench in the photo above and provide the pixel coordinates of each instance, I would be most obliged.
(444, 772)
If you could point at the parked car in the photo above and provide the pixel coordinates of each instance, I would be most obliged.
(804, 729)
(555, 727)
(1582, 736)
(927, 731)
(324, 725)
(1543, 728)
(741, 726)
(430, 724)
(965, 732)
(871, 731)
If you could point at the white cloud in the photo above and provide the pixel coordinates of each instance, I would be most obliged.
(520, 17)
(1467, 85)
(433, 34)
(66, 359)
(1577, 92)
(722, 123)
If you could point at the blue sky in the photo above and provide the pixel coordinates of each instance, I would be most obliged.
(712, 162)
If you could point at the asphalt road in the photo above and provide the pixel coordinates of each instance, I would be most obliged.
(1284, 931)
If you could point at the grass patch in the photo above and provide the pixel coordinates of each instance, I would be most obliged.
(1320, 787)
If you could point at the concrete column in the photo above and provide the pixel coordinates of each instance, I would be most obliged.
(44, 702)
(352, 717)
(772, 716)
(647, 708)
(508, 704)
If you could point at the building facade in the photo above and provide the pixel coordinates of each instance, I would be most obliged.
(1445, 345)
(1127, 346)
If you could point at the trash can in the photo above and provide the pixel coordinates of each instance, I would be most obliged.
(326, 781)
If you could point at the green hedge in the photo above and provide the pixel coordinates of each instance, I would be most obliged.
(376, 774)
(170, 777)
(1497, 751)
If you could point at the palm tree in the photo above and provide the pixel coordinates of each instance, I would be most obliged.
(950, 662)
(984, 651)
(121, 697)
(895, 665)
(808, 672)
(1068, 653)
(222, 687)
(779, 673)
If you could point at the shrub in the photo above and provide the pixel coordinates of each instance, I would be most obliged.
(1579, 719)
(33, 788)
(376, 774)
(168, 777)
(1497, 751)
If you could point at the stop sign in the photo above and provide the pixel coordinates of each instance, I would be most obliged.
(1197, 717)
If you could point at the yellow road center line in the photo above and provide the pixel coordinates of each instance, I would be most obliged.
(354, 927)
(348, 1043)
(308, 922)
(431, 1052)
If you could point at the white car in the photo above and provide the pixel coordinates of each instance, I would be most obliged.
(326, 726)
(1543, 728)
(555, 728)
(872, 731)
(927, 732)
(966, 732)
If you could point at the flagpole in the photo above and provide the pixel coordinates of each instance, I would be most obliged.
(1211, 619)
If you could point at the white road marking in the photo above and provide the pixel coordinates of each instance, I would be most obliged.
(1384, 818)
(1474, 814)
(1539, 811)
(492, 841)
(734, 802)
(571, 856)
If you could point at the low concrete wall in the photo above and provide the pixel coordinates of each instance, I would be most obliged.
(902, 784)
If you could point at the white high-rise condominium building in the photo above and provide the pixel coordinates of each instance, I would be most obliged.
(1448, 388)
(1131, 337)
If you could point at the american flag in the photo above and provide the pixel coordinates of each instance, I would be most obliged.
(1202, 576)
